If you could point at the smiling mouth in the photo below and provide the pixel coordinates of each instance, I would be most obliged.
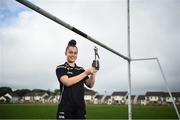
(72, 58)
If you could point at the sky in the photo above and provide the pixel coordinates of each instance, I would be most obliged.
(31, 46)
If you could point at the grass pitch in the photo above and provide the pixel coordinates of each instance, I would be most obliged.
(48, 111)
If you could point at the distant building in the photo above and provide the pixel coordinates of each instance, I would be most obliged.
(2, 99)
(99, 99)
(176, 97)
(133, 99)
(89, 95)
(141, 100)
(107, 100)
(5, 98)
(155, 98)
(39, 97)
(119, 97)
(15, 98)
(28, 98)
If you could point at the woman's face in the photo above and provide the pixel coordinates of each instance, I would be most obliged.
(71, 54)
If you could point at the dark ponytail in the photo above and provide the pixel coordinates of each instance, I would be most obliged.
(72, 43)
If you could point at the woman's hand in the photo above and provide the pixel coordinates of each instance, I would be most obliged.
(91, 70)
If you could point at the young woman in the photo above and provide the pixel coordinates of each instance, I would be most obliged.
(72, 79)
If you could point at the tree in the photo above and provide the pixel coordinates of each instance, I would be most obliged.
(22, 92)
(56, 91)
(4, 90)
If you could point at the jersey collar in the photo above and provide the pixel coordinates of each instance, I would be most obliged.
(66, 63)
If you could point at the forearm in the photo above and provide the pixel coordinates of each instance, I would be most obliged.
(90, 82)
(76, 79)
(69, 81)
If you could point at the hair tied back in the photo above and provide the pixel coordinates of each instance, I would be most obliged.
(72, 43)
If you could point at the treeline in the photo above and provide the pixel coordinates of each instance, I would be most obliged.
(22, 92)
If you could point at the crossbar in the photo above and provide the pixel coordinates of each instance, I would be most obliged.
(68, 26)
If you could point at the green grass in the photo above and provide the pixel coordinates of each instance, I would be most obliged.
(107, 111)
(27, 111)
(48, 111)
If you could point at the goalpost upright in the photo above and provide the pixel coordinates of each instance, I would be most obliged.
(129, 61)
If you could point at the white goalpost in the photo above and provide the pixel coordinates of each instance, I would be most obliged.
(128, 59)
(164, 78)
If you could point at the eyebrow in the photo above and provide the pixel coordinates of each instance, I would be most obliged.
(73, 51)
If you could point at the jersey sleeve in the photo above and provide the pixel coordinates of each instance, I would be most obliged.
(60, 71)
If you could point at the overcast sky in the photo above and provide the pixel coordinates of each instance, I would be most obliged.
(31, 46)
